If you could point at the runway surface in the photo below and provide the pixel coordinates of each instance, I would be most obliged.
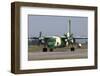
(78, 53)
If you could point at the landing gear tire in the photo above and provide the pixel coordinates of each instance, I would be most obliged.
(72, 49)
(51, 50)
(45, 49)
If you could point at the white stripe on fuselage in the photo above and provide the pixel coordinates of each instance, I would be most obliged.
(58, 40)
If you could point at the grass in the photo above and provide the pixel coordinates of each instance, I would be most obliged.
(35, 48)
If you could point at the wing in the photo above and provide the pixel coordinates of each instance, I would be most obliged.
(80, 37)
(33, 38)
(63, 37)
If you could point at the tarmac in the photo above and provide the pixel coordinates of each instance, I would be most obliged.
(77, 54)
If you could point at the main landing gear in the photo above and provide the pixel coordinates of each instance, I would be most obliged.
(46, 49)
(72, 48)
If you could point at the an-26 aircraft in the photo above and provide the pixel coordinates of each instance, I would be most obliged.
(53, 42)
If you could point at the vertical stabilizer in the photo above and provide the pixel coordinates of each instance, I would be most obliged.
(69, 26)
(40, 34)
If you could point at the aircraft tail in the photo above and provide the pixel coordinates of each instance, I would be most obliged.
(69, 26)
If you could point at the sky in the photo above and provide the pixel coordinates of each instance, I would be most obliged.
(56, 25)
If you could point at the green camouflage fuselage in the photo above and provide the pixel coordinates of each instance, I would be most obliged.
(55, 41)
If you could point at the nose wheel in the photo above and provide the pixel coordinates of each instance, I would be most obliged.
(51, 50)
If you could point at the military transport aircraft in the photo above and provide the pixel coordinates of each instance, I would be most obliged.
(52, 42)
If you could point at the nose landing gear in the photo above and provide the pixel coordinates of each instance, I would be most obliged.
(51, 50)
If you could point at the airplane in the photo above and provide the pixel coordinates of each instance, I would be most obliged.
(53, 42)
